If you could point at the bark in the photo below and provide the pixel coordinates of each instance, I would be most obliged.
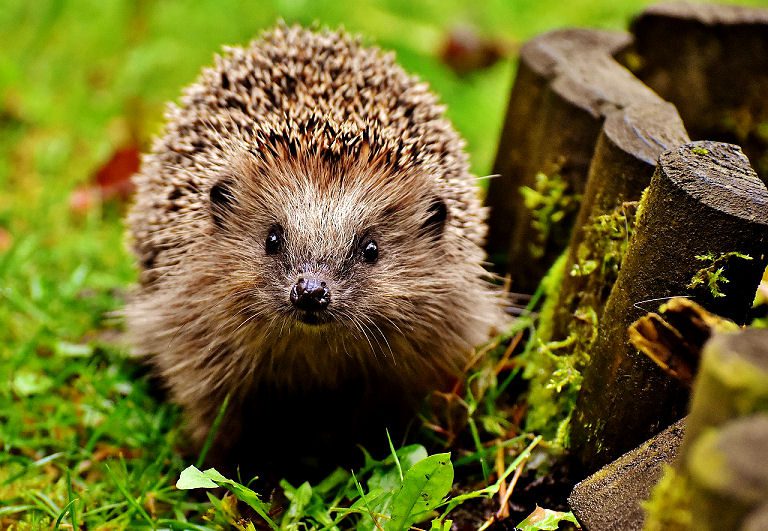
(728, 473)
(629, 146)
(704, 200)
(611, 498)
(732, 381)
(718, 74)
(567, 83)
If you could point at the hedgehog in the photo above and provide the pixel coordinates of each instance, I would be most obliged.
(307, 222)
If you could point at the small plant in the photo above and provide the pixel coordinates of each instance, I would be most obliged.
(713, 274)
(605, 242)
(406, 488)
(550, 201)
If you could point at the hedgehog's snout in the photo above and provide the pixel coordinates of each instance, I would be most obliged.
(310, 294)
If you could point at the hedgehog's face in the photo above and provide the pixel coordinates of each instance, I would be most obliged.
(358, 256)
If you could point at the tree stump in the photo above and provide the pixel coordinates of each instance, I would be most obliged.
(567, 82)
(717, 75)
(732, 381)
(704, 218)
(625, 157)
(728, 473)
(720, 480)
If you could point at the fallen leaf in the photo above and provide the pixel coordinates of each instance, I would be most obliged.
(111, 182)
(674, 337)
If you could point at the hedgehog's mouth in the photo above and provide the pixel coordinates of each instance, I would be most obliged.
(313, 318)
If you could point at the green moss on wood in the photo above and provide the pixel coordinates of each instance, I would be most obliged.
(551, 201)
(669, 506)
(712, 275)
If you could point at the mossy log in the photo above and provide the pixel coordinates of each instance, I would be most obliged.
(720, 479)
(625, 157)
(703, 205)
(711, 61)
(732, 381)
(567, 82)
(728, 473)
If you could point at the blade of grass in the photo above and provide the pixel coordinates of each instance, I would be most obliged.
(212, 432)
(394, 456)
(130, 499)
(72, 503)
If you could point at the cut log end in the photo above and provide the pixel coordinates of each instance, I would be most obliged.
(718, 175)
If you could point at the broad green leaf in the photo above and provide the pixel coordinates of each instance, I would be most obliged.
(410, 455)
(192, 478)
(386, 476)
(437, 525)
(545, 520)
(299, 498)
(215, 475)
(424, 486)
(333, 481)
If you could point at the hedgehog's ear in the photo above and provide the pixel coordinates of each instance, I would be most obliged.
(437, 214)
(222, 199)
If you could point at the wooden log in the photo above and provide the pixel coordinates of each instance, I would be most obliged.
(718, 74)
(704, 201)
(612, 497)
(722, 460)
(728, 471)
(625, 157)
(732, 380)
(567, 82)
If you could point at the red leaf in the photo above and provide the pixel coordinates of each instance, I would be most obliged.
(110, 182)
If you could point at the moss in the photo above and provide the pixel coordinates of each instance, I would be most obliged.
(700, 151)
(713, 274)
(551, 283)
(761, 304)
(669, 506)
(554, 367)
(605, 243)
(641, 204)
(551, 201)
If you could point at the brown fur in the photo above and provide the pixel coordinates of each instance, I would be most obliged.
(332, 141)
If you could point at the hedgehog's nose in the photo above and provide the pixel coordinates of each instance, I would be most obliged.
(310, 294)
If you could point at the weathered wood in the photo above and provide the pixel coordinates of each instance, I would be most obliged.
(611, 498)
(711, 61)
(720, 478)
(675, 337)
(704, 200)
(625, 157)
(567, 82)
(728, 471)
(732, 380)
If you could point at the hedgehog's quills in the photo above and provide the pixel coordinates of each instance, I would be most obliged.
(306, 223)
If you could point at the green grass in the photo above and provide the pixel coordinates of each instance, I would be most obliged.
(82, 441)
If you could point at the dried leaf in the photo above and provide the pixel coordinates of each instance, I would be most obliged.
(110, 182)
(674, 337)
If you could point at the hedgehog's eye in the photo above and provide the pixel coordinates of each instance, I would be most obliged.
(274, 241)
(370, 251)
